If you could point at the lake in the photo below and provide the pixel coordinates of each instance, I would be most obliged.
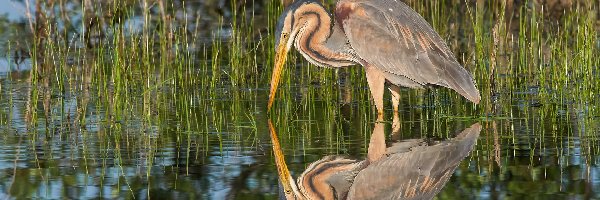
(168, 100)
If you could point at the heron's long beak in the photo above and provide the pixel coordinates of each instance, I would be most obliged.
(282, 169)
(280, 56)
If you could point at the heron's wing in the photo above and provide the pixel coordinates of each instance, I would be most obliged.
(389, 35)
(417, 174)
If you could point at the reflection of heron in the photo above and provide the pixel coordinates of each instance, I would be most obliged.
(409, 169)
(390, 40)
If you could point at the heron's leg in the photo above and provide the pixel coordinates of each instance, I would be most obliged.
(396, 124)
(395, 90)
(377, 143)
(376, 82)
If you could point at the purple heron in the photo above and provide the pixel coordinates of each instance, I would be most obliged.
(391, 41)
(412, 169)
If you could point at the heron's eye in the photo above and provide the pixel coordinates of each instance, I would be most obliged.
(284, 35)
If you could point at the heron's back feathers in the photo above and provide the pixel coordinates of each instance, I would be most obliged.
(390, 36)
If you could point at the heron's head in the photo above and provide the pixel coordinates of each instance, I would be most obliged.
(289, 25)
(290, 21)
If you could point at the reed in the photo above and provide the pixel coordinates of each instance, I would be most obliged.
(139, 78)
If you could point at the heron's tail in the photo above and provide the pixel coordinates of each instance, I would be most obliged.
(467, 89)
(460, 80)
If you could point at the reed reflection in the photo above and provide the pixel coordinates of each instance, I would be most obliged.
(410, 169)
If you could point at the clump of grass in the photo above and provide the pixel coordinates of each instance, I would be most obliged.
(164, 84)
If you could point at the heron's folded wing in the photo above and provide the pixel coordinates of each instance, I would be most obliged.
(392, 37)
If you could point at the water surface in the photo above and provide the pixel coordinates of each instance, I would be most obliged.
(188, 127)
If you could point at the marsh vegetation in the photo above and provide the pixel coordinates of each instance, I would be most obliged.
(167, 99)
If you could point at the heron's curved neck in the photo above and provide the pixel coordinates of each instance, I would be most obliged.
(319, 40)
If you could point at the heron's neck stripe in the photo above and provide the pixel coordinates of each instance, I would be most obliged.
(313, 50)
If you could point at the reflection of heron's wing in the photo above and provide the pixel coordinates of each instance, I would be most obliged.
(417, 174)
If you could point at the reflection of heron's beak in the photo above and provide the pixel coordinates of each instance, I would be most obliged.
(280, 56)
(282, 169)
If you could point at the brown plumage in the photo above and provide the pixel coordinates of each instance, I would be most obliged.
(389, 39)
(402, 45)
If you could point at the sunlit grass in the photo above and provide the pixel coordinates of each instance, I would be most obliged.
(164, 82)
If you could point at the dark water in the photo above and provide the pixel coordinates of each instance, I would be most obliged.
(75, 140)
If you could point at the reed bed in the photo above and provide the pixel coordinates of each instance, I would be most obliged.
(138, 76)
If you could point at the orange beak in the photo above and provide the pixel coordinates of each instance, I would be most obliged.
(280, 57)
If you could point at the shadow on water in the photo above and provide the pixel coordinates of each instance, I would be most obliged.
(407, 169)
